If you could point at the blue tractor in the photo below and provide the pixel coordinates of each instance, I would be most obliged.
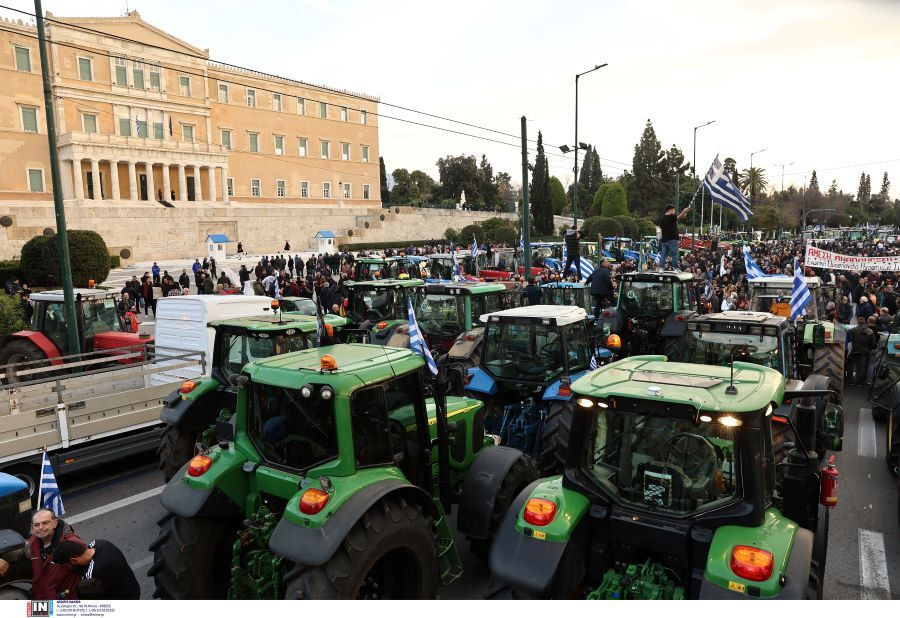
(15, 526)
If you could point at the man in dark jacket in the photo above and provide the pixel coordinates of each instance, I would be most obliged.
(103, 569)
(532, 292)
(863, 340)
(573, 254)
(601, 287)
(184, 281)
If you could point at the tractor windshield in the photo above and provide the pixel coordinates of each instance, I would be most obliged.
(368, 271)
(302, 306)
(529, 352)
(441, 314)
(663, 463)
(711, 348)
(238, 349)
(575, 297)
(646, 298)
(289, 430)
(100, 317)
(778, 302)
(375, 304)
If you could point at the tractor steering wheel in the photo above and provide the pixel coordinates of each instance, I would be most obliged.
(696, 460)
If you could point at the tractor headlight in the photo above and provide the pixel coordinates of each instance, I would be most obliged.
(327, 393)
(584, 402)
(306, 391)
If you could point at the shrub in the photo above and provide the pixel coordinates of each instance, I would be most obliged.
(114, 261)
(89, 259)
(603, 226)
(630, 227)
(490, 227)
(614, 201)
(465, 234)
(451, 234)
(506, 235)
(597, 203)
(646, 226)
(11, 317)
(10, 269)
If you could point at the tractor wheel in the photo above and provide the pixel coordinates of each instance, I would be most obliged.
(176, 447)
(672, 348)
(829, 361)
(522, 473)
(390, 553)
(31, 474)
(555, 440)
(20, 351)
(192, 557)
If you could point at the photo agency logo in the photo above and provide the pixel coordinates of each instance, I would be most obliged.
(40, 609)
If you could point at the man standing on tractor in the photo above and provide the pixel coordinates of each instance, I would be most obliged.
(572, 250)
(601, 287)
(669, 238)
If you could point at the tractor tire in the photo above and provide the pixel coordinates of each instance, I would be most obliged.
(192, 557)
(522, 473)
(829, 361)
(176, 447)
(555, 440)
(20, 351)
(31, 474)
(673, 348)
(390, 553)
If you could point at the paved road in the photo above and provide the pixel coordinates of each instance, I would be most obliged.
(120, 504)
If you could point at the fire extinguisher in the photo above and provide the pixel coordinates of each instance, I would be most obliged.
(828, 495)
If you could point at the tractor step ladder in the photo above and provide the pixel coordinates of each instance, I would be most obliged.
(451, 566)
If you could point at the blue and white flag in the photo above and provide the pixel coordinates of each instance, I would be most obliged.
(593, 364)
(49, 496)
(800, 295)
(587, 267)
(474, 247)
(521, 241)
(753, 269)
(454, 271)
(724, 191)
(416, 341)
(277, 289)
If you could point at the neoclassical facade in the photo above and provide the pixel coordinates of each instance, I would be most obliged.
(143, 116)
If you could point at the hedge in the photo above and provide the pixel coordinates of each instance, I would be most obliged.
(89, 258)
(396, 244)
(11, 317)
(114, 261)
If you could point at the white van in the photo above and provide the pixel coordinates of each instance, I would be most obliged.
(182, 323)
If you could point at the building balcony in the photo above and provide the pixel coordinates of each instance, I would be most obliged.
(101, 141)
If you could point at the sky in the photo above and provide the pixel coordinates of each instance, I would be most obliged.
(813, 83)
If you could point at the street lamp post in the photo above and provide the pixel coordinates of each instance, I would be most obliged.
(693, 211)
(575, 182)
(781, 197)
(751, 169)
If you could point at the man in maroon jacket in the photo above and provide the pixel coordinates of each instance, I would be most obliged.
(48, 579)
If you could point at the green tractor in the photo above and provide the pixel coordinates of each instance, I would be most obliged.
(379, 307)
(369, 269)
(191, 410)
(335, 480)
(672, 490)
(885, 399)
(772, 294)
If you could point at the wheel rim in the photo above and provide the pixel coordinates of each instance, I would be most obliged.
(396, 575)
(28, 481)
(14, 358)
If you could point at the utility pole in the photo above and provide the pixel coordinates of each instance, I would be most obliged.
(693, 210)
(65, 268)
(781, 197)
(526, 219)
(575, 184)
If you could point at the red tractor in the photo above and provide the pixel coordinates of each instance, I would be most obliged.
(100, 328)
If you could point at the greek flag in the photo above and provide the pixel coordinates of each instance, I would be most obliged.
(277, 290)
(587, 267)
(320, 323)
(416, 341)
(455, 268)
(753, 269)
(521, 241)
(800, 295)
(593, 364)
(474, 246)
(724, 191)
(50, 498)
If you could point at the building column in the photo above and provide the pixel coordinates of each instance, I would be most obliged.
(182, 183)
(211, 183)
(95, 179)
(151, 189)
(225, 197)
(78, 179)
(114, 179)
(167, 184)
(132, 183)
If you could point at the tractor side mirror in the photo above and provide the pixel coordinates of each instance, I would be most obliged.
(834, 427)
(240, 381)
(818, 336)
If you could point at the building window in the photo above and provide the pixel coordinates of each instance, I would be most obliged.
(326, 149)
(226, 138)
(323, 110)
(366, 192)
(345, 152)
(138, 74)
(125, 127)
(304, 189)
(344, 115)
(251, 97)
(142, 127)
(154, 78)
(157, 130)
(229, 186)
(348, 191)
(36, 181)
(254, 142)
(121, 73)
(187, 132)
(184, 85)
(85, 69)
(276, 102)
(279, 188)
(29, 119)
(89, 123)
(301, 106)
(363, 116)
(279, 144)
(326, 189)
(23, 59)
(223, 93)
(255, 190)
(301, 146)
(365, 153)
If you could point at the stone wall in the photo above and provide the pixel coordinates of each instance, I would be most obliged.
(143, 231)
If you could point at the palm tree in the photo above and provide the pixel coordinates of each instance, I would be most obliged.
(754, 181)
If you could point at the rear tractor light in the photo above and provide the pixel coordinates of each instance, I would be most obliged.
(752, 563)
(313, 501)
(539, 512)
(565, 390)
(188, 386)
(199, 465)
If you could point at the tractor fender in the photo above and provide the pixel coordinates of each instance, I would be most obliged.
(796, 574)
(41, 341)
(676, 324)
(615, 320)
(314, 546)
(466, 344)
(382, 336)
(481, 383)
(480, 489)
(185, 501)
(551, 393)
(527, 562)
(188, 410)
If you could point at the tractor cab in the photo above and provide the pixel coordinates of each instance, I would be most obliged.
(381, 306)
(369, 269)
(446, 310)
(567, 293)
(297, 305)
(406, 266)
(885, 394)
(773, 295)
(440, 266)
(752, 337)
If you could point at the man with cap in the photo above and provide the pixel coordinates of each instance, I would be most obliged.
(105, 573)
(668, 226)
